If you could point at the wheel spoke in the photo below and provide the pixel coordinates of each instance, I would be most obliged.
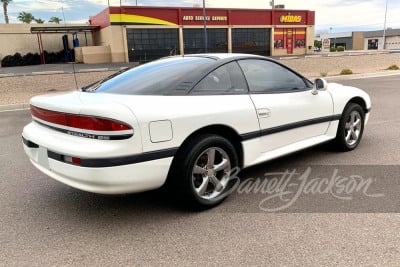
(348, 126)
(357, 123)
(348, 135)
(353, 117)
(203, 187)
(199, 170)
(354, 135)
(224, 164)
(211, 158)
(217, 184)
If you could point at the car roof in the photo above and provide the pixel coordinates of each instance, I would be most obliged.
(218, 56)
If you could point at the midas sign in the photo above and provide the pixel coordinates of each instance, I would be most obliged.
(290, 19)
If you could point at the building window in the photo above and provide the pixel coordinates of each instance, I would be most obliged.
(280, 38)
(285, 36)
(149, 44)
(194, 41)
(373, 44)
(253, 41)
(300, 38)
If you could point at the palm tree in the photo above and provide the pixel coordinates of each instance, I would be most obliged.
(55, 20)
(25, 17)
(39, 21)
(5, 4)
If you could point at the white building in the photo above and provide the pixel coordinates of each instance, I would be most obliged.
(368, 40)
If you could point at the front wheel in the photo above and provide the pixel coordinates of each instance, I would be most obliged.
(202, 171)
(351, 127)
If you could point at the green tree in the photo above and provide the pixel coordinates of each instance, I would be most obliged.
(318, 44)
(25, 17)
(39, 21)
(5, 4)
(55, 20)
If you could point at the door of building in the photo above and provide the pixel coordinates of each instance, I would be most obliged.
(289, 39)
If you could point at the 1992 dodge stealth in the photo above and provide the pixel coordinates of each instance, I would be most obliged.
(189, 120)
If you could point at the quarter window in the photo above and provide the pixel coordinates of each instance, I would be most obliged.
(267, 76)
(227, 79)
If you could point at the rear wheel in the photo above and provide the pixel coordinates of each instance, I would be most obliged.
(202, 171)
(351, 127)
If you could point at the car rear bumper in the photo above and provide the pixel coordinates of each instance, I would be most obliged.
(128, 178)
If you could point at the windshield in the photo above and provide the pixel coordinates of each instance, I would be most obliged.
(155, 78)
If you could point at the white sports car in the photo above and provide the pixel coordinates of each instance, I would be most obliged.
(189, 121)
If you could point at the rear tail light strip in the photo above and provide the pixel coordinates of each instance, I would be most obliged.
(83, 126)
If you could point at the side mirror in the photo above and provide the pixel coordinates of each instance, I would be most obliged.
(319, 84)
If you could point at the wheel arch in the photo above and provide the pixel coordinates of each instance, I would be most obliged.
(222, 130)
(360, 101)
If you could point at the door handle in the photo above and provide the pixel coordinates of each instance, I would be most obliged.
(263, 112)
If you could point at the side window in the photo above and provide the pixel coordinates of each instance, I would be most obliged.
(267, 76)
(227, 79)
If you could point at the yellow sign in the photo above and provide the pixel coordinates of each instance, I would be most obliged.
(290, 19)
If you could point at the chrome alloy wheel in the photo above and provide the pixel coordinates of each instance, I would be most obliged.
(211, 173)
(353, 128)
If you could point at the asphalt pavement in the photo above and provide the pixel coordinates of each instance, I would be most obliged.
(45, 223)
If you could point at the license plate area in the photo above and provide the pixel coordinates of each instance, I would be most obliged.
(39, 155)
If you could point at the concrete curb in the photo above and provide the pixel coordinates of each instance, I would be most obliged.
(47, 72)
(14, 107)
(7, 75)
(362, 75)
(35, 73)
(94, 70)
(337, 54)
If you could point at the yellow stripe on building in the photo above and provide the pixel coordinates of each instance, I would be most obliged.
(125, 18)
(292, 32)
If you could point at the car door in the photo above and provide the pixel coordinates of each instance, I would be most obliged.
(287, 110)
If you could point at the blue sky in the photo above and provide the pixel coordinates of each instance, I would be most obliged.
(331, 15)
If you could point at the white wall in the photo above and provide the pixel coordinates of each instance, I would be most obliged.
(393, 42)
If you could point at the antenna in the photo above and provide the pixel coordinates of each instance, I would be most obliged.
(73, 63)
(74, 72)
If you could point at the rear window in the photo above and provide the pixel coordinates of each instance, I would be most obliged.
(155, 78)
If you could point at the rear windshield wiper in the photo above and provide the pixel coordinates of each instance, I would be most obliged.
(93, 86)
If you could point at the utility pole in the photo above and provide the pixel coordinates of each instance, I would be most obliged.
(384, 27)
(272, 3)
(205, 26)
(65, 21)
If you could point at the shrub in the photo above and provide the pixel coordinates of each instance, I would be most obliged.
(7, 61)
(17, 59)
(346, 72)
(31, 59)
(340, 48)
(34, 59)
(393, 67)
(323, 73)
(332, 49)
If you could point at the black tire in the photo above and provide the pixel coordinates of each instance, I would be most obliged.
(187, 185)
(351, 127)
